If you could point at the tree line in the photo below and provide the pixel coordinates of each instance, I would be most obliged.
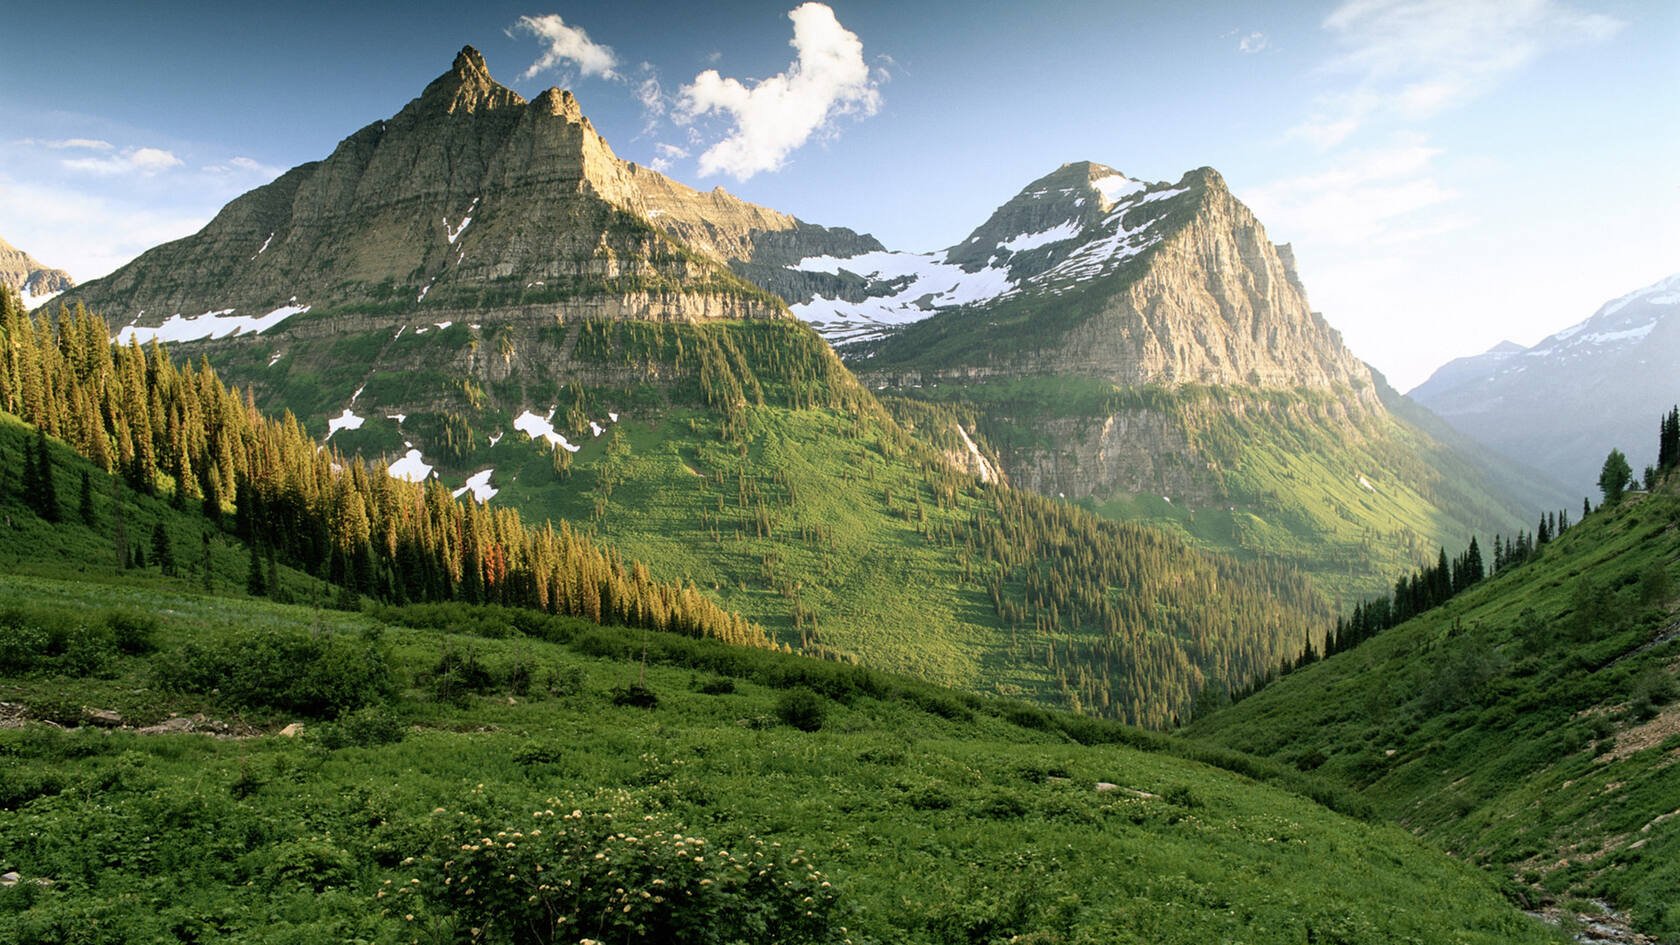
(181, 432)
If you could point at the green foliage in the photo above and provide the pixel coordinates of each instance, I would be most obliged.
(322, 676)
(924, 826)
(1615, 477)
(1520, 723)
(801, 708)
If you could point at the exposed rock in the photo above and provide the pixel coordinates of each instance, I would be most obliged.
(292, 731)
(105, 718)
(32, 279)
(470, 201)
(10, 879)
(171, 726)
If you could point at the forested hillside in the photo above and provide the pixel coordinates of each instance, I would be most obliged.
(1528, 723)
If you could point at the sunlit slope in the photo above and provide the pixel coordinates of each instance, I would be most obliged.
(1529, 724)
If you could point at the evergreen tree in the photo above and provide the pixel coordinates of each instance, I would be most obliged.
(256, 584)
(1613, 478)
(85, 505)
(1586, 507)
(119, 531)
(209, 575)
(162, 554)
(45, 500)
(30, 482)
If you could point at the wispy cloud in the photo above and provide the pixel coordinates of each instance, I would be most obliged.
(666, 155)
(1370, 197)
(775, 116)
(73, 144)
(1253, 43)
(128, 161)
(1412, 59)
(566, 47)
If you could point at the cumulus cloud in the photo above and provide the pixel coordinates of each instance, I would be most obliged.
(128, 161)
(1412, 59)
(1253, 43)
(566, 46)
(773, 117)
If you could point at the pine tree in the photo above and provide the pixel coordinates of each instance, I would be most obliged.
(46, 494)
(85, 506)
(1613, 478)
(119, 532)
(255, 584)
(162, 555)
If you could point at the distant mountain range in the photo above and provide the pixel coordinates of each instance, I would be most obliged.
(32, 279)
(1563, 404)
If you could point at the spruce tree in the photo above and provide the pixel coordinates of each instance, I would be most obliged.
(46, 501)
(255, 584)
(85, 506)
(162, 554)
(1613, 478)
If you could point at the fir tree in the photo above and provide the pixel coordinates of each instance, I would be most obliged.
(162, 554)
(45, 499)
(85, 505)
(1613, 478)
(256, 584)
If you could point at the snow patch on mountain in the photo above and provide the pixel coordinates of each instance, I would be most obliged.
(345, 421)
(411, 467)
(541, 428)
(220, 324)
(479, 485)
(1055, 234)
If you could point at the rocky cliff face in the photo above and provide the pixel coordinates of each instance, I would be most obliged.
(470, 201)
(29, 278)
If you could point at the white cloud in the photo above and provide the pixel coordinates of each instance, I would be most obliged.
(1370, 197)
(777, 115)
(85, 234)
(566, 45)
(1253, 43)
(666, 155)
(245, 166)
(1415, 58)
(129, 160)
(78, 144)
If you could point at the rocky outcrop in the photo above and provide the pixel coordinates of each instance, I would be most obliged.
(28, 277)
(470, 201)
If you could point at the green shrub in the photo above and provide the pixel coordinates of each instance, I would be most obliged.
(320, 676)
(715, 686)
(131, 631)
(635, 694)
(366, 727)
(45, 642)
(615, 877)
(802, 709)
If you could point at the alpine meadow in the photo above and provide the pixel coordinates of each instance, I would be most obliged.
(477, 533)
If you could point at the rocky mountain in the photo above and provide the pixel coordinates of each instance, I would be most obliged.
(469, 202)
(1563, 404)
(32, 280)
(476, 291)
(1145, 349)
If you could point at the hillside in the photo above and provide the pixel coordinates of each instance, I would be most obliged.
(1528, 725)
(476, 744)
(1546, 405)
(1143, 349)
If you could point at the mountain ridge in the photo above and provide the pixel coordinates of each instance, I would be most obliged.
(34, 281)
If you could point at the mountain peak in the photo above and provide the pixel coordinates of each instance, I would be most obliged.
(467, 86)
(470, 62)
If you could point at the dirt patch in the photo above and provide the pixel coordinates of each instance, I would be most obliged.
(1645, 735)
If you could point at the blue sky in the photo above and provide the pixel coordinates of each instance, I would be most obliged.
(1451, 173)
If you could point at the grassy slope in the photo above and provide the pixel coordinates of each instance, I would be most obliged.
(1526, 725)
(1286, 478)
(950, 827)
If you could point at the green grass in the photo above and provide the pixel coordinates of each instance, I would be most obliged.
(932, 816)
(1526, 724)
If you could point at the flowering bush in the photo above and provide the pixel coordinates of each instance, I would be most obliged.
(572, 876)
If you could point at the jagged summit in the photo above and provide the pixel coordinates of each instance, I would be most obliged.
(469, 200)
